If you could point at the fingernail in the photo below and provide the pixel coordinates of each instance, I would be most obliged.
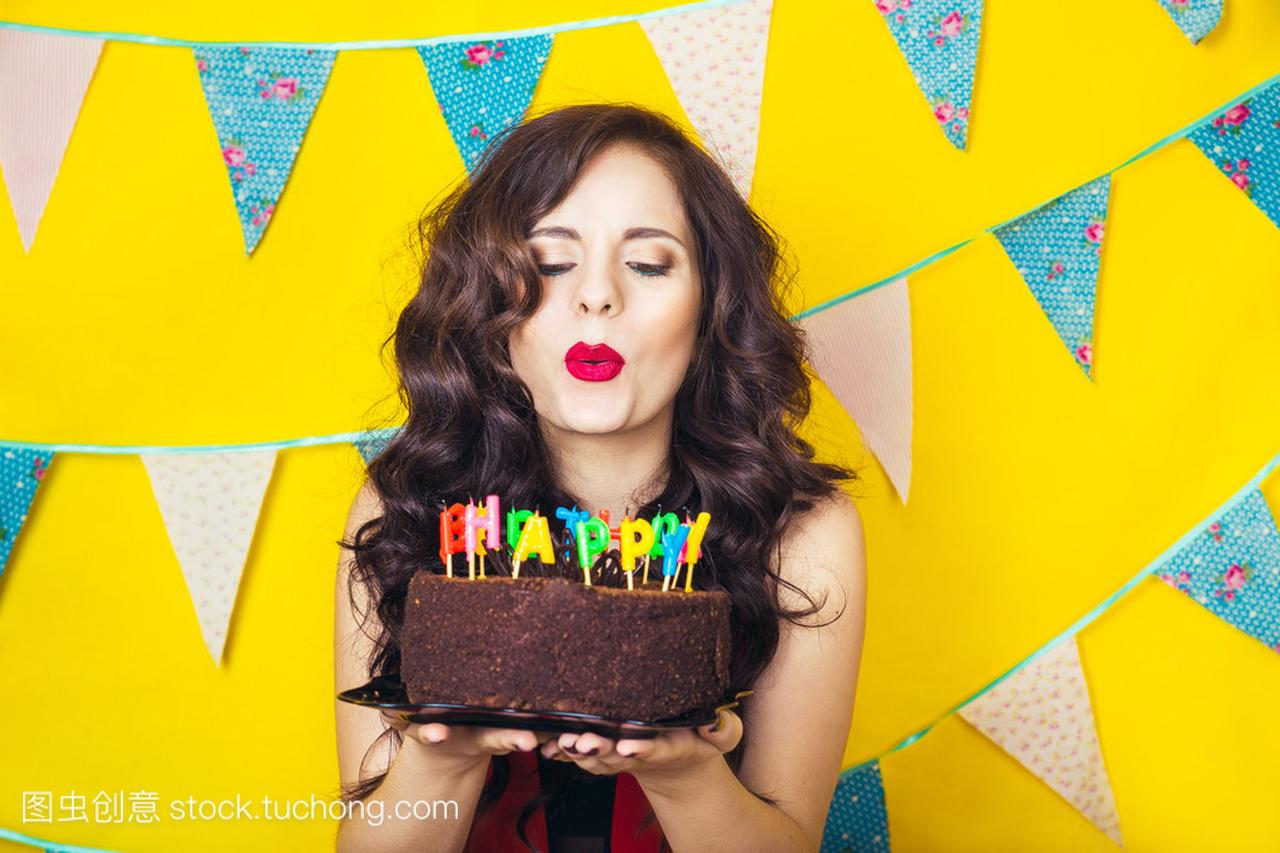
(626, 754)
(592, 751)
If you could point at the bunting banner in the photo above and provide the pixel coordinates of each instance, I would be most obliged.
(1040, 711)
(939, 40)
(484, 87)
(1244, 142)
(1043, 718)
(1196, 18)
(1056, 250)
(261, 100)
(43, 79)
(714, 60)
(210, 504)
(861, 350)
(23, 471)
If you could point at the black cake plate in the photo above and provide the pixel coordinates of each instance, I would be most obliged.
(388, 694)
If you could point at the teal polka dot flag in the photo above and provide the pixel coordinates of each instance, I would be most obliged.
(484, 87)
(21, 472)
(1233, 568)
(857, 821)
(939, 39)
(261, 100)
(1244, 143)
(1196, 18)
(1056, 250)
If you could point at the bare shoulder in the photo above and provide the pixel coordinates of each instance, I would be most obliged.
(824, 551)
(366, 505)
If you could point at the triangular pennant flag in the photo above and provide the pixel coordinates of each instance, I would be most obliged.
(21, 472)
(1056, 249)
(1041, 715)
(373, 443)
(484, 87)
(939, 39)
(714, 59)
(210, 504)
(1196, 18)
(261, 100)
(43, 79)
(861, 349)
(1244, 143)
(1233, 569)
(857, 821)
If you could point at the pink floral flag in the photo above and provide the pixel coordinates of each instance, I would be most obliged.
(261, 100)
(43, 79)
(714, 59)
(1041, 715)
(939, 40)
(1057, 250)
(860, 347)
(210, 504)
(1196, 18)
(1244, 143)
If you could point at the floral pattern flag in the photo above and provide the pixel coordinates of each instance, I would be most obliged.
(1056, 250)
(1042, 717)
(714, 59)
(261, 100)
(1233, 568)
(857, 821)
(1196, 18)
(22, 471)
(484, 87)
(1244, 143)
(939, 39)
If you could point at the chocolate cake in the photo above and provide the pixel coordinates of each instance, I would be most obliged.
(551, 642)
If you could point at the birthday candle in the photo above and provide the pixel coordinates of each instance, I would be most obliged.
(592, 537)
(571, 517)
(633, 547)
(451, 535)
(671, 542)
(469, 538)
(515, 521)
(535, 539)
(693, 547)
(663, 523)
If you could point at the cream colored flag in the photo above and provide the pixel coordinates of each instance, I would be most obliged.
(43, 79)
(210, 504)
(714, 59)
(861, 349)
(1041, 715)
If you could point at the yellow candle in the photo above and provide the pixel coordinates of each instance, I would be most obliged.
(693, 547)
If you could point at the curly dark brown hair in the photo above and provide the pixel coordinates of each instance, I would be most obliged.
(471, 427)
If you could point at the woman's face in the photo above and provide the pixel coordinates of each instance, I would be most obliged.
(618, 268)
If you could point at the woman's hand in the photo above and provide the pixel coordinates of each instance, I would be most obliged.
(667, 756)
(467, 744)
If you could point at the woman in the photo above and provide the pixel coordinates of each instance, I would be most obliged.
(603, 224)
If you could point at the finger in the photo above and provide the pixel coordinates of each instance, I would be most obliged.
(567, 741)
(595, 745)
(637, 748)
(521, 740)
(434, 732)
(725, 733)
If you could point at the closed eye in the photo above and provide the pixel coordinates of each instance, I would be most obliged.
(644, 270)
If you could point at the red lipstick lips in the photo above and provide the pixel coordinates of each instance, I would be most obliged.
(597, 363)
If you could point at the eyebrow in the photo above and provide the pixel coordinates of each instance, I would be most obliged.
(637, 233)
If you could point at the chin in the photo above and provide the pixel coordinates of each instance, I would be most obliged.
(585, 418)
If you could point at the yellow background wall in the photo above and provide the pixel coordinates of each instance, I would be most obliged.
(136, 319)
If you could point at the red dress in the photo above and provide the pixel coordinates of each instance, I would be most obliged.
(494, 830)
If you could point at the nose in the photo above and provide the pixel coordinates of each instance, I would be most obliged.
(598, 293)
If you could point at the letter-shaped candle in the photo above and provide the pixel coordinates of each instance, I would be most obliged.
(637, 539)
(592, 537)
(571, 517)
(469, 537)
(536, 539)
(515, 523)
(452, 532)
(663, 523)
(693, 546)
(671, 544)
